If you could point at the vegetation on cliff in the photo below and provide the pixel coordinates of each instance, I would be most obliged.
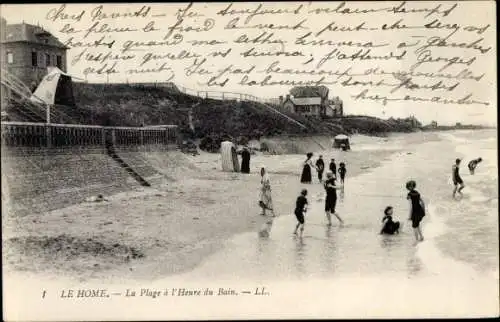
(214, 120)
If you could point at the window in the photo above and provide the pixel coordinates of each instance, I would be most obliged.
(10, 58)
(59, 61)
(47, 59)
(305, 109)
(34, 58)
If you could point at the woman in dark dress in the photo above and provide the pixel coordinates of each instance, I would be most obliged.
(245, 161)
(417, 209)
(306, 171)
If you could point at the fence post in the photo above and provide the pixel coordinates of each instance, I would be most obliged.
(48, 134)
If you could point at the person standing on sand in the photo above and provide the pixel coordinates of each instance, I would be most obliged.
(331, 198)
(320, 167)
(333, 167)
(417, 209)
(342, 172)
(300, 209)
(245, 160)
(473, 164)
(457, 180)
(306, 171)
(266, 201)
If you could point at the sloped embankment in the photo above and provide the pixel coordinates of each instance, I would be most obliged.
(36, 181)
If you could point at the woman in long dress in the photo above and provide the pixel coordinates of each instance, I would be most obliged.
(266, 201)
(306, 171)
(245, 161)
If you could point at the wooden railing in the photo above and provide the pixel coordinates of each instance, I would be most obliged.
(21, 134)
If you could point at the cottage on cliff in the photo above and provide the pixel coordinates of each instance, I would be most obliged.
(27, 50)
(312, 101)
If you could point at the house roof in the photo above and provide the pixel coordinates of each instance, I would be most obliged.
(309, 91)
(31, 33)
(306, 100)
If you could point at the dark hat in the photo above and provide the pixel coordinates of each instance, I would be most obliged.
(411, 185)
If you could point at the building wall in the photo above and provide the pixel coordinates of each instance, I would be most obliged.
(288, 106)
(310, 110)
(21, 65)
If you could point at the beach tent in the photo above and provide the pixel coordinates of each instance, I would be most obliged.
(341, 141)
(56, 88)
(230, 161)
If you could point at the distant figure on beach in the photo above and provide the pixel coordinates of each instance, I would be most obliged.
(320, 167)
(98, 198)
(245, 160)
(473, 164)
(331, 198)
(266, 201)
(457, 180)
(306, 171)
(389, 227)
(342, 172)
(417, 209)
(300, 210)
(333, 167)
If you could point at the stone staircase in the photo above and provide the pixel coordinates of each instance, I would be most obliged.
(112, 153)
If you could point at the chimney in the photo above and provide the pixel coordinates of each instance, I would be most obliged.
(281, 100)
(3, 27)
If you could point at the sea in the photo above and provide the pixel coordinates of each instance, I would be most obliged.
(452, 273)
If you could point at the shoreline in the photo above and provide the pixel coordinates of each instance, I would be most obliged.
(324, 262)
(152, 227)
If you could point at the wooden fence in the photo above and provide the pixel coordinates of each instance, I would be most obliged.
(21, 134)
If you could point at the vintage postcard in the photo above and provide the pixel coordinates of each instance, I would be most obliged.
(246, 160)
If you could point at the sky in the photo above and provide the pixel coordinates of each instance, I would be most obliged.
(465, 15)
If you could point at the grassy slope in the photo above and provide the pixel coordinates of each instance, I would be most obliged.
(126, 105)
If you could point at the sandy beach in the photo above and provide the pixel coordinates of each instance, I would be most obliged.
(170, 228)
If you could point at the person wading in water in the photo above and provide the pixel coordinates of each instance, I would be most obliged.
(417, 209)
(457, 180)
(331, 198)
(300, 210)
(473, 164)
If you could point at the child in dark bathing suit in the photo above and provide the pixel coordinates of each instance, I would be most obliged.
(342, 172)
(457, 180)
(417, 209)
(300, 210)
(389, 227)
(473, 164)
(331, 198)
